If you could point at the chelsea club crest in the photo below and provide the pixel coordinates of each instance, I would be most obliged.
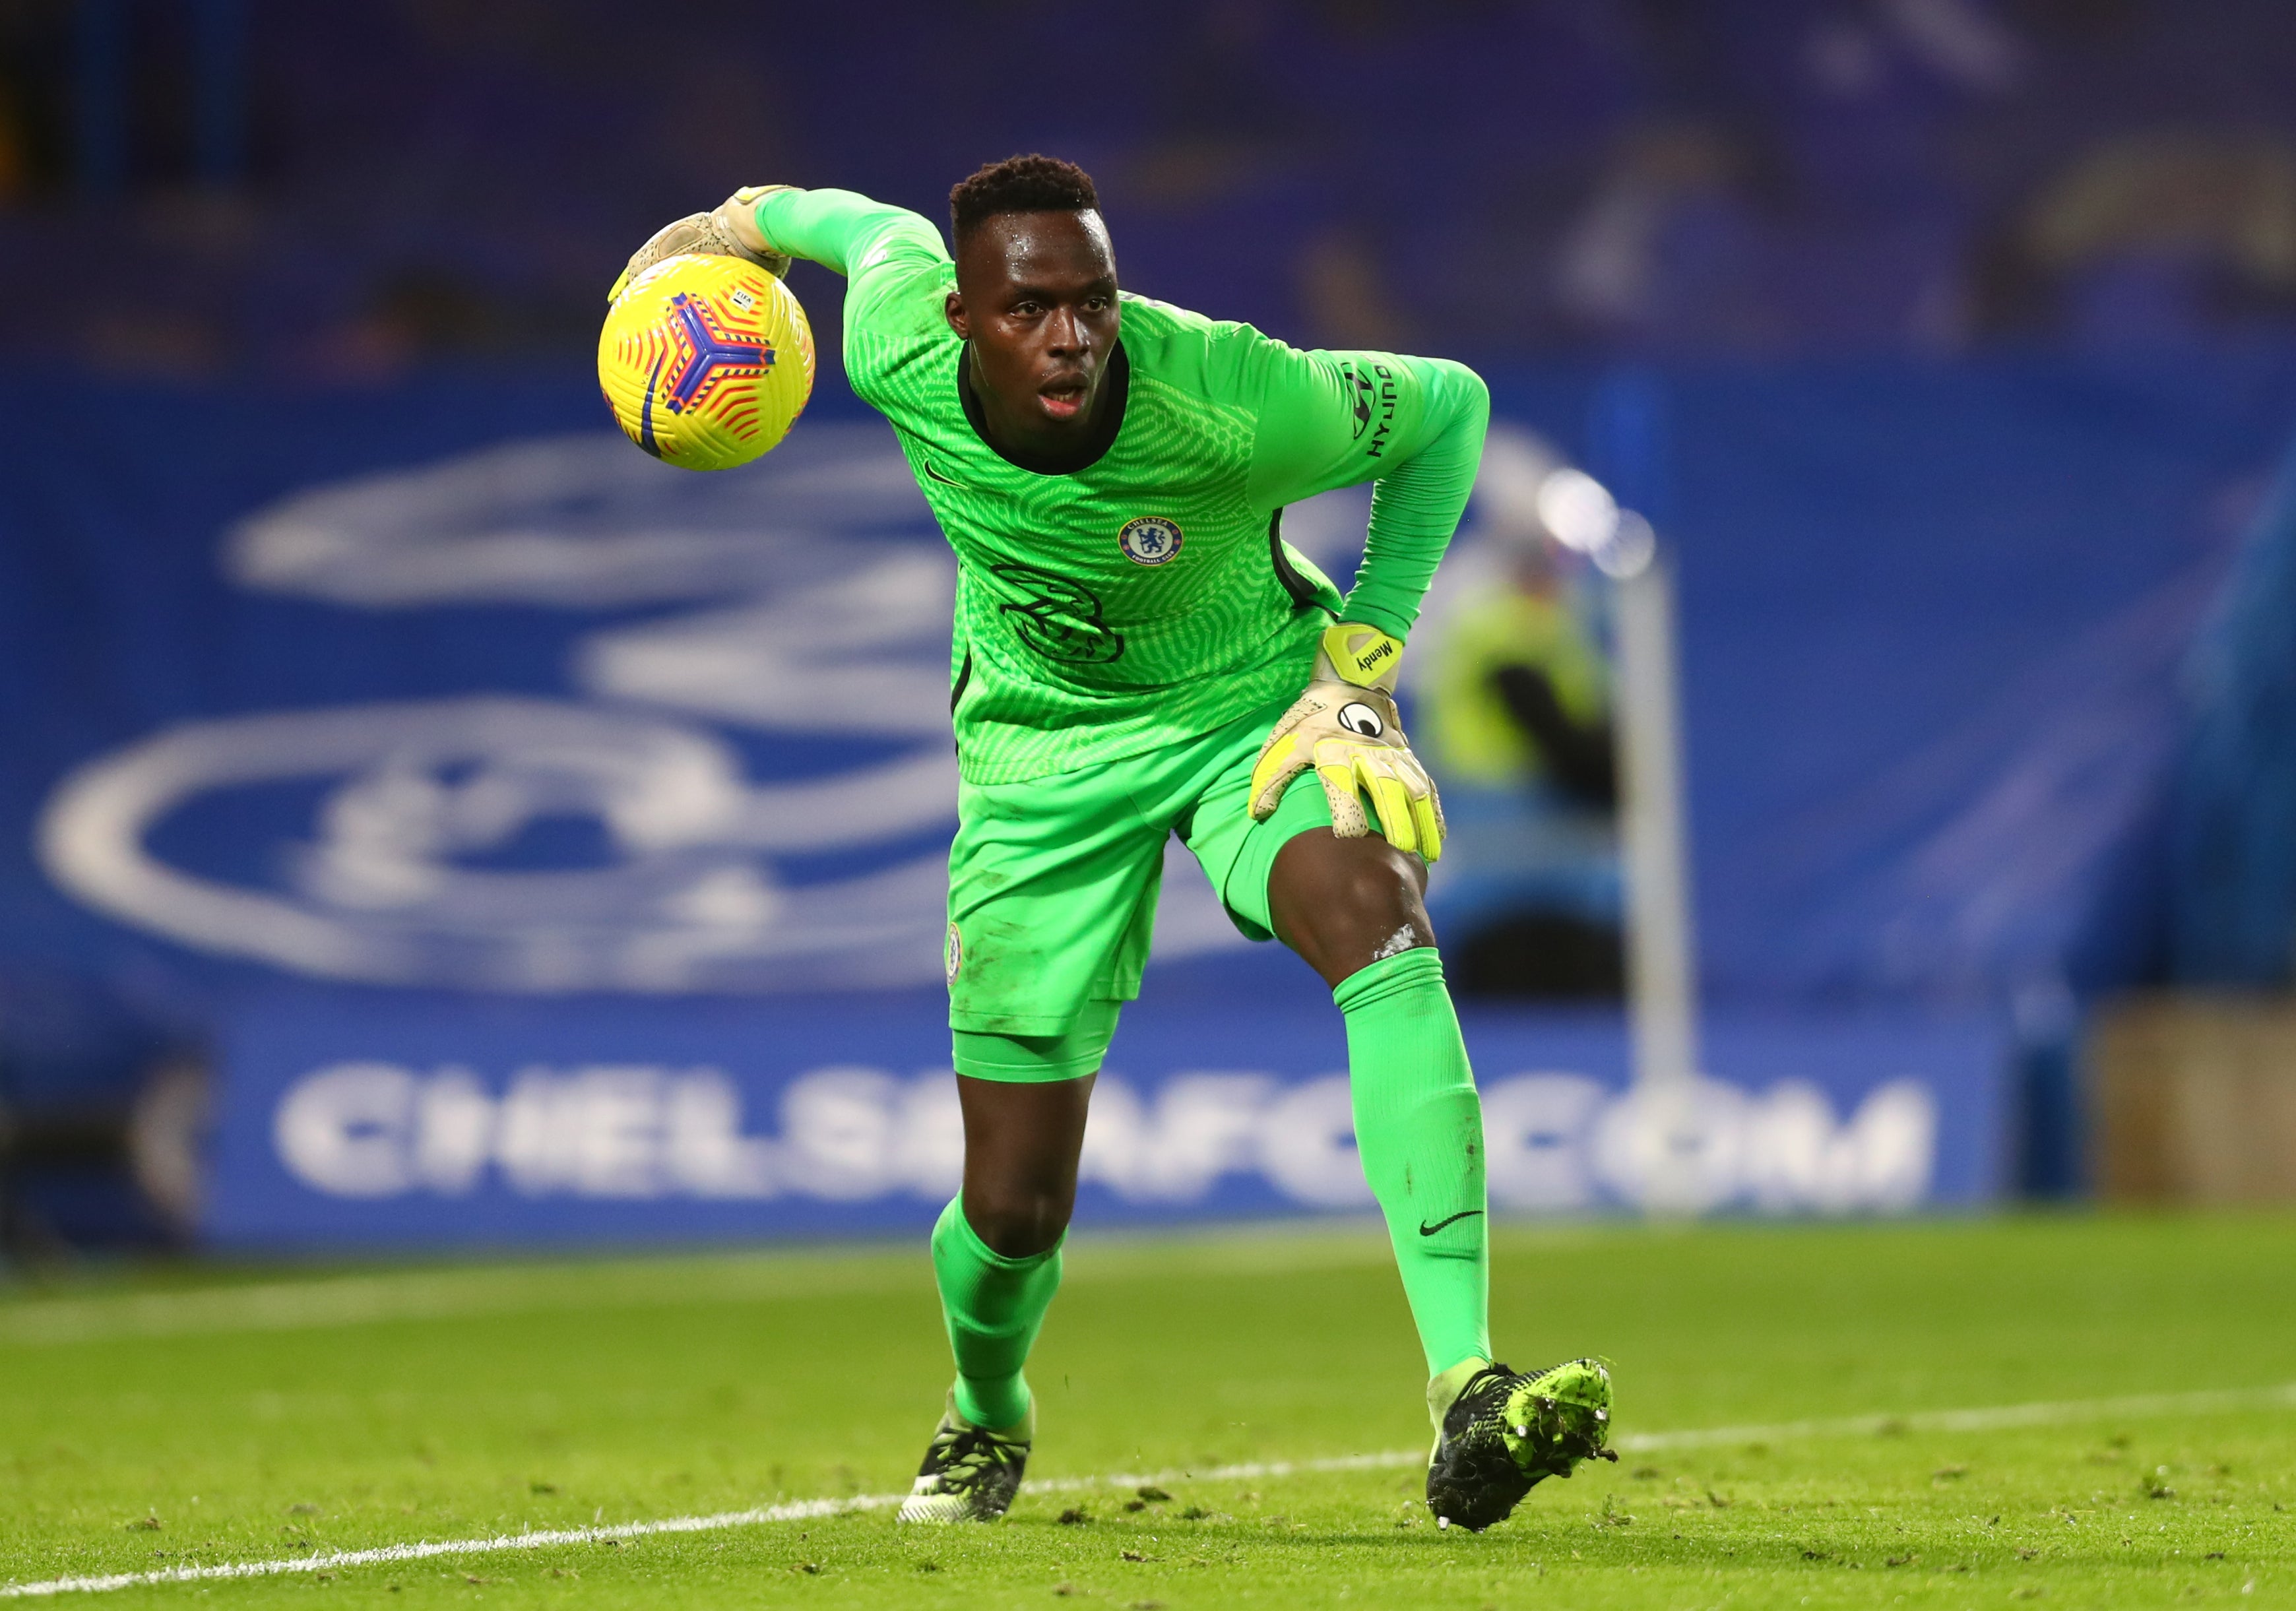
(1149, 540)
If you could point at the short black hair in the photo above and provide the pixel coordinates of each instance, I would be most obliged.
(1033, 184)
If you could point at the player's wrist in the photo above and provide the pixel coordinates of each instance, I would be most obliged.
(1360, 655)
(737, 216)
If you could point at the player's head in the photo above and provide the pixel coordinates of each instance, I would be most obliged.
(1035, 296)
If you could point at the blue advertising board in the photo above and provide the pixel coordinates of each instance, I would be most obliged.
(548, 844)
(384, 1122)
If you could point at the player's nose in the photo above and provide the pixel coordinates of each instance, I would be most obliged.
(1064, 331)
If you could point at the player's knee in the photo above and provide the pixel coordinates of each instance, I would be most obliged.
(1018, 1221)
(1345, 904)
(1379, 893)
(1381, 916)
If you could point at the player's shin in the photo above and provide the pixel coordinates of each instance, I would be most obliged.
(995, 1307)
(1419, 1129)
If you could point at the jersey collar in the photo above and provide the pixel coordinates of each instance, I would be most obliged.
(1097, 446)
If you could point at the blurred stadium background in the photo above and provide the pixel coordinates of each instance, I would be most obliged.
(413, 836)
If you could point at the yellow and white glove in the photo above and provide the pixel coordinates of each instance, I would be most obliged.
(1346, 728)
(729, 230)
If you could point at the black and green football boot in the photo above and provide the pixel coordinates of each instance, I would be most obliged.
(970, 1473)
(1505, 1432)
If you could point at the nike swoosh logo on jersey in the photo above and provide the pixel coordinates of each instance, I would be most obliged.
(1427, 1230)
(937, 475)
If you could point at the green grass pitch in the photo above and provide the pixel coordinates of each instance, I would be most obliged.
(194, 1417)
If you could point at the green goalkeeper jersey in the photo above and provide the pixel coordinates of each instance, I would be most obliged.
(1147, 597)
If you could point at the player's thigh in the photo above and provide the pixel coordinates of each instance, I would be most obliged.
(1050, 884)
(1235, 852)
(1238, 854)
(1334, 901)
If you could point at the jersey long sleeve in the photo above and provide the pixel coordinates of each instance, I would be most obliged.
(1414, 427)
(842, 230)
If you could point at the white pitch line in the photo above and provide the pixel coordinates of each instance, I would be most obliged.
(796, 1510)
(1989, 1418)
(1996, 1418)
(799, 1511)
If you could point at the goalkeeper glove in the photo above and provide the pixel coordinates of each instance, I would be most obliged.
(1345, 727)
(729, 230)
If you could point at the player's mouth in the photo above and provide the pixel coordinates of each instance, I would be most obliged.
(1064, 398)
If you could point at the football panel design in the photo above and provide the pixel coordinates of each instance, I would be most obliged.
(706, 362)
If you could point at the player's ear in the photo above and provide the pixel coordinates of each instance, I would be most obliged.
(953, 310)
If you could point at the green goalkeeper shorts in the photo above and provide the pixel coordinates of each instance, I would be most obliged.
(1053, 886)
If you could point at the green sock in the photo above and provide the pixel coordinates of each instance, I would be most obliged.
(1419, 1127)
(995, 1307)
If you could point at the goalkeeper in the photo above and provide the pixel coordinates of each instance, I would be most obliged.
(1137, 653)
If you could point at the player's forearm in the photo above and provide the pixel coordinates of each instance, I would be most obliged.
(1416, 505)
(831, 227)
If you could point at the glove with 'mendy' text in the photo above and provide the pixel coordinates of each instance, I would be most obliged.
(1345, 726)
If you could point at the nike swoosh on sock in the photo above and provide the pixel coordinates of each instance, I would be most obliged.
(1427, 1230)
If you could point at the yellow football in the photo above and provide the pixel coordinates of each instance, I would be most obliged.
(706, 361)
